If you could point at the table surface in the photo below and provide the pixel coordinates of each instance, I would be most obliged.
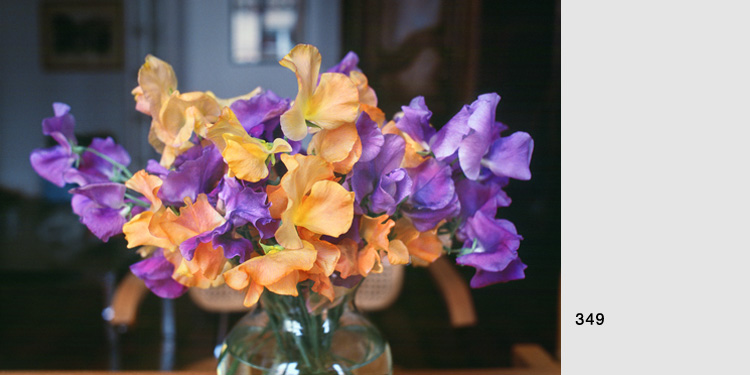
(528, 359)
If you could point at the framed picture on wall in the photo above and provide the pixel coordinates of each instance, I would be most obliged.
(81, 35)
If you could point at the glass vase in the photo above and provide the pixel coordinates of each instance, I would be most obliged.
(305, 335)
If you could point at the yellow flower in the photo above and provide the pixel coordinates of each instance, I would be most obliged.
(246, 157)
(313, 200)
(175, 116)
(327, 102)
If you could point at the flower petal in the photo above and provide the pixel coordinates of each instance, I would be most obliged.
(156, 273)
(328, 209)
(194, 219)
(510, 156)
(334, 103)
(270, 268)
(335, 144)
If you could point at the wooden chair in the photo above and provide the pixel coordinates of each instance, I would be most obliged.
(377, 292)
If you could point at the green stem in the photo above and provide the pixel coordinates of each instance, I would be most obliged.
(137, 201)
(122, 168)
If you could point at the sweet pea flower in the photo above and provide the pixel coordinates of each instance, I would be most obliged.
(197, 171)
(474, 135)
(326, 101)
(424, 247)
(175, 116)
(510, 156)
(261, 114)
(143, 228)
(415, 122)
(246, 157)
(348, 66)
(327, 257)
(276, 270)
(242, 206)
(380, 184)
(308, 197)
(375, 231)
(433, 197)
(341, 147)
(413, 125)
(199, 266)
(485, 196)
(101, 207)
(54, 163)
(492, 248)
(93, 167)
(156, 272)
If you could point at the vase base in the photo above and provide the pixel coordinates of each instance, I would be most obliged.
(356, 348)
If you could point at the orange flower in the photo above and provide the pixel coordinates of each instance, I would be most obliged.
(327, 101)
(348, 263)
(327, 258)
(278, 271)
(194, 219)
(341, 147)
(314, 201)
(366, 93)
(424, 247)
(246, 157)
(203, 271)
(139, 231)
(208, 260)
(375, 231)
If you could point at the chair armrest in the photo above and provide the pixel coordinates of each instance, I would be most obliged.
(455, 291)
(126, 300)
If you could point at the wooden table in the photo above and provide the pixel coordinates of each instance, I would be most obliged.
(528, 359)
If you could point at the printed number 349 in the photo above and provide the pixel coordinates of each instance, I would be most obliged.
(590, 319)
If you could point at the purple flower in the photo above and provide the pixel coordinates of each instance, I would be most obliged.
(260, 115)
(510, 156)
(381, 179)
(470, 132)
(60, 127)
(197, 171)
(434, 197)
(101, 207)
(371, 137)
(93, 168)
(486, 197)
(54, 163)
(346, 65)
(416, 122)
(514, 271)
(153, 167)
(156, 272)
(494, 244)
(242, 206)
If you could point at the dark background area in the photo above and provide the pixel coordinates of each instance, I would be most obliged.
(55, 277)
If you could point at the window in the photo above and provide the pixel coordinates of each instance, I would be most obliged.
(264, 30)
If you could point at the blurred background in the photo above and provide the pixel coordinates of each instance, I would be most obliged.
(56, 279)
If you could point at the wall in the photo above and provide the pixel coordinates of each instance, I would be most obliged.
(206, 50)
(27, 93)
(192, 35)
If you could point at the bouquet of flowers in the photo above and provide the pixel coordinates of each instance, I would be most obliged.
(263, 193)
